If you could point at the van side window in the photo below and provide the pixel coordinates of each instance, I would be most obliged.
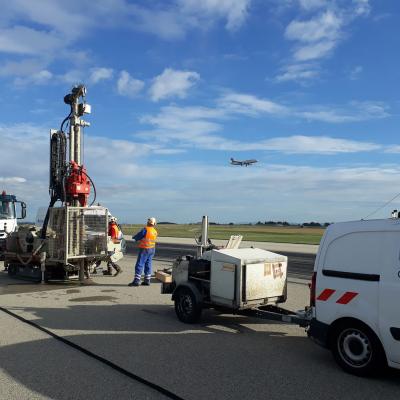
(367, 252)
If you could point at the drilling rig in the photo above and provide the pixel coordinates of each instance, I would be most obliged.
(74, 234)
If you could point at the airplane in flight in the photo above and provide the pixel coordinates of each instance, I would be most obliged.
(245, 163)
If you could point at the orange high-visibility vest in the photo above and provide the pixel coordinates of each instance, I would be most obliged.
(113, 230)
(149, 241)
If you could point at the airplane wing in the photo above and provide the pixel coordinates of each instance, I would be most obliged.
(249, 162)
(245, 163)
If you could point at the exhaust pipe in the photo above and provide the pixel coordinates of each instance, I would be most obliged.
(204, 236)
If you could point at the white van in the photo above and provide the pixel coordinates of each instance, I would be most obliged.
(355, 295)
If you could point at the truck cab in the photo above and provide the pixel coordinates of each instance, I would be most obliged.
(355, 293)
(8, 215)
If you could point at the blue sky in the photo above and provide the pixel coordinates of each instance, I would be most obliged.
(307, 87)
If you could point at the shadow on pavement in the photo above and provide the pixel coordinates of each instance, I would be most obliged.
(214, 366)
(133, 318)
(217, 359)
(55, 371)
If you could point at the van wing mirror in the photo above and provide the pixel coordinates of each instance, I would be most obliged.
(23, 210)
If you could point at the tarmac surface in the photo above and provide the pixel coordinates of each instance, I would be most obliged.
(222, 357)
(271, 246)
(301, 257)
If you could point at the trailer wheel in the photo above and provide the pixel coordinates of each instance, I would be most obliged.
(357, 349)
(187, 307)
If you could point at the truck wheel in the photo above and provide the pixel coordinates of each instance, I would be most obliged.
(357, 349)
(187, 307)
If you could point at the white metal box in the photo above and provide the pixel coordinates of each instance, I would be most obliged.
(241, 278)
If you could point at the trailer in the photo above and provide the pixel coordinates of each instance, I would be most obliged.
(246, 281)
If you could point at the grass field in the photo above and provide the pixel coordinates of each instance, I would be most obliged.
(258, 233)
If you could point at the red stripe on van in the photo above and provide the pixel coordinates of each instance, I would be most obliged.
(347, 298)
(325, 294)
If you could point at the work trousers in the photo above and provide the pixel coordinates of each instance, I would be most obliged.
(143, 262)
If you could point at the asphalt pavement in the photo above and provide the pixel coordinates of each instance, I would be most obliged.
(222, 357)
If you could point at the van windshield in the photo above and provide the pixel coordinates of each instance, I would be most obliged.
(7, 210)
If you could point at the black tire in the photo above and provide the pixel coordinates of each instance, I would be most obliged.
(188, 309)
(12, 270)
(357, 349)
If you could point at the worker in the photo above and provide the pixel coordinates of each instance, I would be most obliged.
(147, 242)
(116, 235)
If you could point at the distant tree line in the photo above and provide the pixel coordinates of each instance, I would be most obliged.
(311, 224)
(285, 223)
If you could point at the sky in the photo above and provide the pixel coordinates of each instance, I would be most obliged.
(309, 88)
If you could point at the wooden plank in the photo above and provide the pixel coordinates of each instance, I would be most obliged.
(163, 277)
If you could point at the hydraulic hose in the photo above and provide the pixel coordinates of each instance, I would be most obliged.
(94, 188)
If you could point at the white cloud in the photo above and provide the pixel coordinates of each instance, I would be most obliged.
(174, 22)
(24, 40)
(172, 83)
(239, 103)
(361, 7)
(298, 73)
(38, 78)
(318, 35)
(24, 67)
(99, 74)
(312, 4)
(128, 86)
(44, 76)
(199, 127)
(234, 11)
(316, 38)
(65, 18)
(12, 179)
(183, 125)
(314, 51)
(48, 31)
(251, 105)
(316, 145)
(324, 27)
(305, 192)
(166, 24)
(25, 153)
(356, 72)
(356, 111)
(72, 76)
(393, 149)
(59, 24)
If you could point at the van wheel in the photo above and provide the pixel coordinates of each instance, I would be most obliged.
(187, 308)
(357, 349)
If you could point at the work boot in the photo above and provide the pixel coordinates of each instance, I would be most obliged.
(134, 283)
(146, 282)
(107, 273)
(118, 270)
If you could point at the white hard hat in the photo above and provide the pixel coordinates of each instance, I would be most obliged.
(151, 221)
